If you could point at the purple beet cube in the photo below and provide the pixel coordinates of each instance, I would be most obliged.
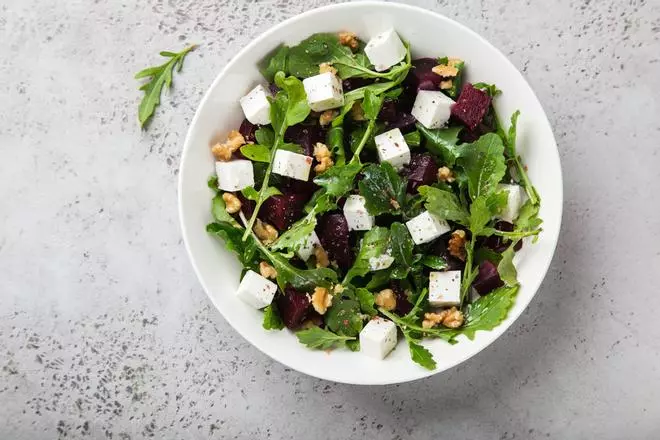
(283, 210)
(333, 233)
(403, 304)
(471, 107)
(422, 72)
(422, 171)
(306, 136)
(247, 129)
(294, 307)
(488, 278)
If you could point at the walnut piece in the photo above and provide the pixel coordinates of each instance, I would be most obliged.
(446, 85)
(321, 300)
(386, 299)
(267, 271)
(323, 156)
(445, 71)
(453, 62)
(232, 203)
(265, 232)
(456, 245)
(445, 175)
(357, 112)
(321, 257)
(452, 318)
(223, 151)
(327, 116)
(349, 39)
(327, 67)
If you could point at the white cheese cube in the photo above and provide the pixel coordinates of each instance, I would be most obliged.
(324, 91)
(432, 109)
(392, 148)
(515, 199)
(234, 175)
(378, 338)
(290, 164)
(445, 288)
(255, 105)
(385, 50)
(256, 290)
(356, 214)
(380, 262)
(426, 227)
(306, 248)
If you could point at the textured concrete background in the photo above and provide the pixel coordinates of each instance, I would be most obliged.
(106, 333)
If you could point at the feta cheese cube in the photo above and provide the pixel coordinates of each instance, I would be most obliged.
(255, 105)
(392, 148)
(426, 227)
(290, 164)
(378, 338)
(432, 109)
(324, 91)
(256, 290)
(234, 175)
(445, 288)
(515, 199)
(385, 50)
(380, 262)
(306, 248)
(356, 214)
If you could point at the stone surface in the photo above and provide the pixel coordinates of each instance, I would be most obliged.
(106, 333)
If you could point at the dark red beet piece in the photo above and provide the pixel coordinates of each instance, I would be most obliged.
(306, 136)
(403, 305)
(422, 171)
(247, 206)
(247, 129)
(422, 72)
(388, 112)
(273, 89)
(295, 186)
(294, 307)
(488, 278)
(471, 106)
(334, 235)
(427, 85)
(500, 244)
(283, 210)
(354, 83)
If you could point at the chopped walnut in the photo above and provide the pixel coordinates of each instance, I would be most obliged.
(456, 245)
(386, 299)
(321, 257)
(327, 116)
(321, 300)
(232, 203)
(349, 39)
(453, 62)
(327, 67)
(452, 318)
(394, 204)
(265, 232)
(223, 151)
(433, 319)
(446, 85)
(323, 156)
(338, 289)
(445, 71)
(446, 175)
(357, 112)
(267, 271)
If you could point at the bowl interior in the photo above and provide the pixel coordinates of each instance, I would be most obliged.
(429, 34)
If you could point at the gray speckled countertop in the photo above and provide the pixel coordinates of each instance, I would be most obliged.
(106, 333)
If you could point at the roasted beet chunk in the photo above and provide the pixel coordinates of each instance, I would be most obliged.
(394, 114)
(488, 278)
(422, 171)
(282, 210)
(294, 307)
(247, 129)
(422, 72)
(306, 136)
(354, 83)
(403, 305)
(247, 206)
(471, 106)
(332, 230)
(500, 244)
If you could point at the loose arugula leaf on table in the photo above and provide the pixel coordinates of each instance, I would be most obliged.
(374, 243)
(321, 339)
(272, 319)
(506, 268)
(401, 249)
(159, 77)
(219, 211)
(366, 300)
(344, 317)
(276, 62)
(442, 142)
(256, 152)
(444, 204)
(382, 188)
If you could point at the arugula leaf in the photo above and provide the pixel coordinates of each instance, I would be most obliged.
(252, 194)
(212, 182)
(512, 155)
(265, 136)
(371, 104)
(379, 279)
(159, 77)
(489, 311)
(318, 338)
(297, 234)
(483, 162)
(335, 142)
(442, 142)
(444, 204)
(506, 268)
(419, 353)
(491, 89)
(338, 180)
(434, 262)
(382, 188)
(413, 139)
(366, 300)
(219, 211)
(272, 320)
(256, 152)
(374, 243)
(401, 249)
(297, 107)
(320, 202)
(231, 235)
(528, 217)
(344, 317)
(483, 253)
(277, 62)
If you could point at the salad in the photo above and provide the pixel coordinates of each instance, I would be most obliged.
(370, 196)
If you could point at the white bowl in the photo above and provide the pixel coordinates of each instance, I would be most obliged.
(430, 35)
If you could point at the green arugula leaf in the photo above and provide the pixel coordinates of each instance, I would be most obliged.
(444, 204)
(383, 189)
(303, 279)
(441, 142)
(231, 236)
(506, 268)
(413, 139)
(212, 182)
(483, 253)
(320, 202)
(265, 136)
(320, 339)
(401, 249)
(256, 152)
(159, 77)
(219, 211)
(434, 262)
(344, 317)
(374, 243)
(371, 104)
(297, 107)
(297, 234)
(489, 311)
(335, 142)
(338, 180)
(491, 89)
(366, 300)
(379, 279)
(483, 163)
(252, 194)
(272, 320)
(276, 62)
(419, 353)
(512, 155)
(528, 218)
